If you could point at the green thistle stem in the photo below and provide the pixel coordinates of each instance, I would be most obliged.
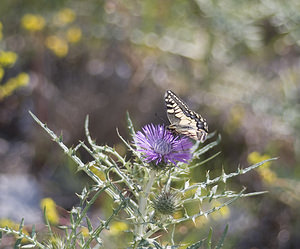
(22, 235)
(143, 203)
(103, 157)
(72, 238)
(81, 166)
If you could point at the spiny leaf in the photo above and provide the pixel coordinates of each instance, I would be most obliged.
(130, 125)
(17, 244)
(21, 225)
(80, 240)
(89, 224)
(33, 233)
(205, 161)
(211, 134)
(243, 171)
(99, 241)
(207, 147)
(28, 246)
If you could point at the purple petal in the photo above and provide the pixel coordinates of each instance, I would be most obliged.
(160, 145)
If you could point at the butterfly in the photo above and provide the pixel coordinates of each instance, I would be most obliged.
(183, 120)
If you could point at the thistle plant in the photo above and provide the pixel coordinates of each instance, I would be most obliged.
(146, 188)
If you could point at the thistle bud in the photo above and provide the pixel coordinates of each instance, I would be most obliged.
(166, 203)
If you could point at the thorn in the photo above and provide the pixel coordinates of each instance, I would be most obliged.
(224, 175)
(207, 175)
(194, 220)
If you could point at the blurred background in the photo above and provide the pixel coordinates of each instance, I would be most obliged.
(234, 62)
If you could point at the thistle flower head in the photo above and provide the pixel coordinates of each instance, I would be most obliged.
(160, 145)
(166, 203)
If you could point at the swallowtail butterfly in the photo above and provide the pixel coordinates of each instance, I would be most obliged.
(183, 120)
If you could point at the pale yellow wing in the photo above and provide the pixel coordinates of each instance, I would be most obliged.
(183, 120)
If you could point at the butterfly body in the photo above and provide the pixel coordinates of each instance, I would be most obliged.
(183, 120)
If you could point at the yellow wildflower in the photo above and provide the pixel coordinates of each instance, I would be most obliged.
(64, 16)
(255, 157)
(267, 174)
(118, 227)
(23, 79)
(84, 231)
(51, 212)
(12, 84)
(33, 22)
(12, 225)
(8, 58)
(1, 73)
(8, 223)
(58, 45)
(264, 171)
(74, 34)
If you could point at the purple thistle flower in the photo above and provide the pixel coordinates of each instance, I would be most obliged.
(160, 145)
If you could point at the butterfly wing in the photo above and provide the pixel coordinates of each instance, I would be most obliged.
(183, 120)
